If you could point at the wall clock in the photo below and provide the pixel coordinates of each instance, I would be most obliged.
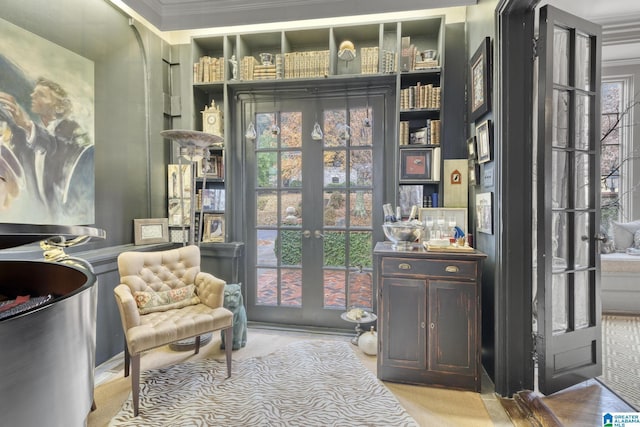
(456, 177)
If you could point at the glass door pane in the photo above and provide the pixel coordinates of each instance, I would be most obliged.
(312, 198)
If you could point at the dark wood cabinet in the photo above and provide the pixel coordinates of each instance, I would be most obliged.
(429, 317)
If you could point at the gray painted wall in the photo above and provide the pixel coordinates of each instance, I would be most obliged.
(130, 171)
(481, 24)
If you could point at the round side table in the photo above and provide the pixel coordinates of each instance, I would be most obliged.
(366, 318)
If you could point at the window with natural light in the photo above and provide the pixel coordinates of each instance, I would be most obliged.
(614, 137)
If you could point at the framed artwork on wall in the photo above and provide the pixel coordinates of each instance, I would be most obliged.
(483, 136)
(49, 95)
(480, 72)
(484, 212)
(474, 172)
(471, 148)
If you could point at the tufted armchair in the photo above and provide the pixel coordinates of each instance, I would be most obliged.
(163, 297)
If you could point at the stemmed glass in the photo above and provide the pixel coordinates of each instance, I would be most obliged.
(428, 223)
(440, 231)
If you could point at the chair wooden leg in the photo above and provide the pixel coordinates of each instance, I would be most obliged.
(197, 344)
(127, 359)
(135, 383)
(228, 338)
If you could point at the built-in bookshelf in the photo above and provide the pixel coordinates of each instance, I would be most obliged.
(409, 52)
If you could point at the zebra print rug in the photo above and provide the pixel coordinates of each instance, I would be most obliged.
(307, 383)
(621, 356)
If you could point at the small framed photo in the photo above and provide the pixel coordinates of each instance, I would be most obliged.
(483, 136)
(179, 212)
(471, 148)
(150, 230)
(480, 72)
(474, 172)
(213, 228)
(211, 165)
(416, 164)
(179, 184)
(484, 212)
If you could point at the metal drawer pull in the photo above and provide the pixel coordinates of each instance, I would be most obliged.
(451, 269)
(404, 266)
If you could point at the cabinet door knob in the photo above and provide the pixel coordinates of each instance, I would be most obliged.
(433, 325)
(422, 325)
(404, 266)
(451, 269)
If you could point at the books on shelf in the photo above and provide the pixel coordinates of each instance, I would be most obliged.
(412, 60)
(208, 69)
(420, 96)
(426, 135)
(306, 64)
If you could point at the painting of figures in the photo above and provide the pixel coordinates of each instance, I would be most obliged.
(46, 131)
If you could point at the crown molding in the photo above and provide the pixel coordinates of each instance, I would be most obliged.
(174, 15)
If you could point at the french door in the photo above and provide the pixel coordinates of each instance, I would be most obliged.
(568, 294)
(313, 179)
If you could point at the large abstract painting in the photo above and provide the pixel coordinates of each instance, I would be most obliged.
(46, 131)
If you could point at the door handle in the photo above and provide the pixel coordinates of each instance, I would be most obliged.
(306, 234)
(599, 236)
(318, 235)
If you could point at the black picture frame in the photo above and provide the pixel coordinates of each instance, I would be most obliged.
(480, 76)
(474, 172)
(484, 141)
(472, 150)
(416, 165)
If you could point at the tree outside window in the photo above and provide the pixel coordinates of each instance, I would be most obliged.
(616, 150)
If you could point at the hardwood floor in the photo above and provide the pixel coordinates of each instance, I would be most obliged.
(581, 406)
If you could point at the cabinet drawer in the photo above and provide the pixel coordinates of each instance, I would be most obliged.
(434, 268)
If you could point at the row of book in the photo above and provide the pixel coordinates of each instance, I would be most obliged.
(429, 134)
(311, 64)
(208, 69)
(306, 64)
(420, 96)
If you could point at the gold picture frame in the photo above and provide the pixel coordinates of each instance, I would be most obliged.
(214, 228)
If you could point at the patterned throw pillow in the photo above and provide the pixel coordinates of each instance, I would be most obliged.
(149, 302)
(636, 240)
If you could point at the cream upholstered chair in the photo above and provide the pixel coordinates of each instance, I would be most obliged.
(163, 297)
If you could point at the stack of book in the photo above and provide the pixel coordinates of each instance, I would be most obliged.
(251, 69)
(264, 72)
(404, 133)
(420, 96)
(208, 69)
(425, 64)
(306, 64)
(434, 131)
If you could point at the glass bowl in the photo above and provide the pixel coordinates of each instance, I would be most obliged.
(402, 234)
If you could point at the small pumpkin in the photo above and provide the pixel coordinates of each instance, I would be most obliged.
(368, 342)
